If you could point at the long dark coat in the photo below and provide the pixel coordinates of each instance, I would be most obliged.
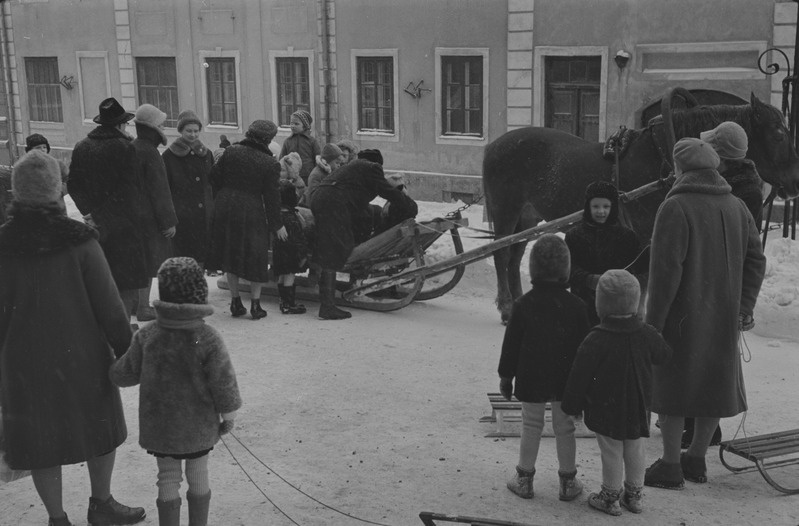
(341, 200)
(61, 323)
(188, 172)
(546, 327)
(611, 378)
(103, 182)
(245, 181)
(157, 214)
(706, 267)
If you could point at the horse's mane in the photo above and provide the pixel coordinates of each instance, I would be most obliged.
(690, 122)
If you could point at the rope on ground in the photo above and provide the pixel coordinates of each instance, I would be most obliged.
(292, 486)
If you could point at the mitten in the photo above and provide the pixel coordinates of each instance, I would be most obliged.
(506, 388)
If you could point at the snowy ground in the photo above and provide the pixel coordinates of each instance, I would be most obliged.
(378, 417)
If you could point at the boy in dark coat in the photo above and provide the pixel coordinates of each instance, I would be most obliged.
(545, 329)
(611, 382)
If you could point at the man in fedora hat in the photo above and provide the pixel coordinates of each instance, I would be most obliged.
(104, 184)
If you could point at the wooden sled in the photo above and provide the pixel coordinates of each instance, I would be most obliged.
(764, 451)
(507, 416)
(429, 519)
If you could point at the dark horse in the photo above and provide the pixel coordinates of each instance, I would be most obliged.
(530, 174)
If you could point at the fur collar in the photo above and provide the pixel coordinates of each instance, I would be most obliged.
(104, 133)
(705, 181)
(742, 173)
(181, 147)
(258, 145)
(322, 164)
(180, 315)
(34, 230)
(150, 134)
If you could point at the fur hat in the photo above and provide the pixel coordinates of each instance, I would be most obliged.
(149, 115)
(34, 140)
(262, 130)
(617, 294)
(604, 190)
(187, 117)
(728, 139)
(331, 152)
(550, 259)
(348, 147)
(182, 280)
(304, 117)
(371, 155)
(290, 165)
(694, 154)
(112, 113)
(288, 194)
(36, 179)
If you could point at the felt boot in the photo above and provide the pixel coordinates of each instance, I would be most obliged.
(632, 498)
(198, 508)
(606, 501)
(112, 512)
(693, 468)
(168, 512)
(570, 487)
(61, 521)
(236, 307)
(522, 483)
(256, 311)
(664, 475)
(327, 296)
(287, 300)
(297, 308)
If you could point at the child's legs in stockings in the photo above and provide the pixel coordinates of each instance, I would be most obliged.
(286, 280)
(612, 454)
(532, 426)
(170, 475)
(634, 462)
(565, 443)
(197, 475)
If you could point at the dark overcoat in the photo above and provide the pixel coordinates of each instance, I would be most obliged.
(307, 147)
(245, 181)
(158, 213)
(546, 327)
(188, 172)
(611, 378)
(341, 200)
(103, 182)
(706, 267)
(290, 256)
(61, 323)
(747, 186)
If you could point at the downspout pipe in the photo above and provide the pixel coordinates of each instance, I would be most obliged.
(326, 67)
(5, 49)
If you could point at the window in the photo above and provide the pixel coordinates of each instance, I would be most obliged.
(572, 95)
(44, 89)
(221, 83)
(158, 85)
(294, 90)
(462, 95)
(376, 94)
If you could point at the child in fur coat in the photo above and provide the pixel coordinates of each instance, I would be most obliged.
(188, 395)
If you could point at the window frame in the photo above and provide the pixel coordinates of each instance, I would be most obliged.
(375, 135)
(273, 56)
(206, 111)
(468, 140)
(176, 108)
(30, 88)
(87, 114)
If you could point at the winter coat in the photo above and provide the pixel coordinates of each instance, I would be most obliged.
(307, 147)
(246, 207)
(706, 267)
(747, 186)
(545, 329)
(188, 171)
(290, 256)
(341, 200)
(103, 182)
(317, 175)
(61, 323)
(611, 378)
(186, 376)
(157, 214)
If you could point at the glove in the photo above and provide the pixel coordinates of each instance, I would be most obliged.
(225, 427)
(745, 322)
(506, 388)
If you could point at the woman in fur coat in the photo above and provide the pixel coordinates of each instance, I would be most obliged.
(61, 324)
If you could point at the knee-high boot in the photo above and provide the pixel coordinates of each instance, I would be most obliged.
(327, 297)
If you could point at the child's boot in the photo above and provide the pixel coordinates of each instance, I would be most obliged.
(236, 307)
(256, 311)
(522, 483)
(606, 501)
(632, 498)
(168, 512)
(282, 291)
(570, 487)
(61, 521)
(198, 508)
(296, 308)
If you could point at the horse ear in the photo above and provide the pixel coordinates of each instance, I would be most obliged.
(754, 100)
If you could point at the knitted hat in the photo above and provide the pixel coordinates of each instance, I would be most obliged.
(36, 179)
(34, 140)
(550, 259)
(304, 117)
(331, 152)
(288, 194)
(694, 154)
(187, 117)
(223, 142)
(617, 293)
(182, 280)
(149, 115)
(262, 130)
(604, 190)
(371, 155)
(728, 139)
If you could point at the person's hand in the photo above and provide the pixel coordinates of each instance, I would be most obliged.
(169, 232)
(745, 322)
(225, 427)
(282, 234)
(506, 388)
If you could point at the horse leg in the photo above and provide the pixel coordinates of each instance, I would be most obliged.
(514, 270)
(504, 298)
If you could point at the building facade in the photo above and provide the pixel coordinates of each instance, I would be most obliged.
(428, 82)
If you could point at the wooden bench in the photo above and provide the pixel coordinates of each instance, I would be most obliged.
(765, 452)
(507, 413)
(429, 518)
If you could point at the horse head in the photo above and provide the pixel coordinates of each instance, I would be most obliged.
(771, 149)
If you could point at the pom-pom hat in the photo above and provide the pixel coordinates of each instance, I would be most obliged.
(550, 259)
(182, 280)
(617, 294)
(728, 139)
(36, 179)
